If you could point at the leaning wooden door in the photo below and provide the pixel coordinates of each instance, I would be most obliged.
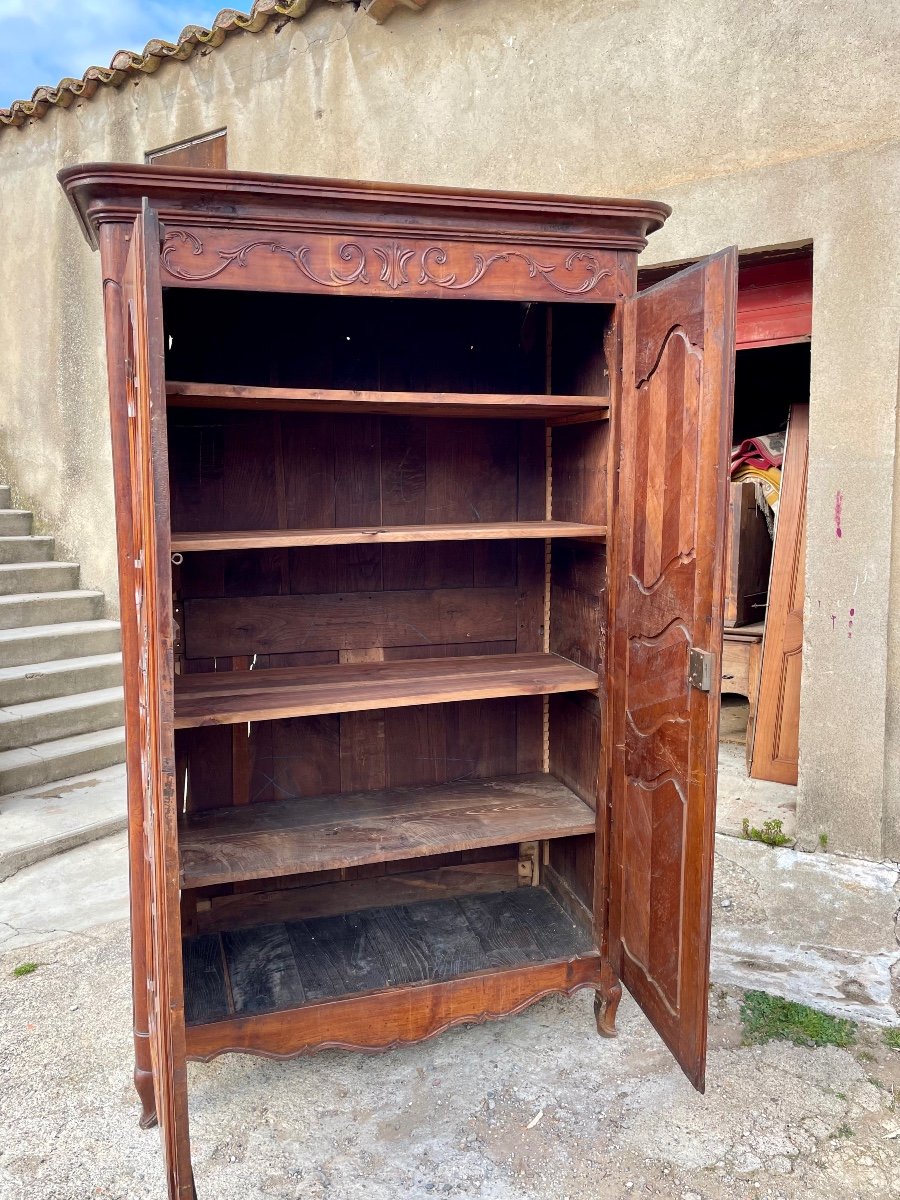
(673, 438)
(148, 664)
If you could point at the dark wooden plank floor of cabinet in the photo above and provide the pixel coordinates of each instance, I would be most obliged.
(270, 968)
(406, 748)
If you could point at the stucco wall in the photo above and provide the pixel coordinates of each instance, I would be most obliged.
(763, 123)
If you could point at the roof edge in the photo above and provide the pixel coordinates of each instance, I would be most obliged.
(127, 63)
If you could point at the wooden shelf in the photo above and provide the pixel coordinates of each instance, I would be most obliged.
(484, 531)
(233, 697)
(426, 404)
(295, 965)
(287, 837)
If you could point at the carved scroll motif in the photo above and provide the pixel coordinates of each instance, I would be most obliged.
(395, 265)
(437, 256)
(349, 252)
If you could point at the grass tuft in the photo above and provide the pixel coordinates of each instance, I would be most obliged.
(769, 1018)
(27, 968)
(892, 1038)
(772, 833)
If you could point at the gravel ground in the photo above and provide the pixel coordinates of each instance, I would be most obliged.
(533, 1108)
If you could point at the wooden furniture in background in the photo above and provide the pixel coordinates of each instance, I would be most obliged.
(776, 735)
(748, 558)
(204, 150)
(421, 606)
(741, 651)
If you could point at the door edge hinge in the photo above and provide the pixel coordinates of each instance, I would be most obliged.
(700, 669)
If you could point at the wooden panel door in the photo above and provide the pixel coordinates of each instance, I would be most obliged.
(666, 601)
(775, 751)
(148, 668)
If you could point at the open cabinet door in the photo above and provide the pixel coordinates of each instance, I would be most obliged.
(666, 609)
(147, 640)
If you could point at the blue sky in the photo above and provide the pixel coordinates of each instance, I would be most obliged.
(43, 40)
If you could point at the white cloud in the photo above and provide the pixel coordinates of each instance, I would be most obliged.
(41, 41)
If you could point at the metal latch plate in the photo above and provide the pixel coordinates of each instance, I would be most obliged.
(700, 669)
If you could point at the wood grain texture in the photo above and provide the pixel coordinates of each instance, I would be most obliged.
(396, 1017)
(487, 531)
(775, 752)
(284, 837)
(343, 400)
(150, 663)
(100, 192)
(748, 558)
(315, 897)
(225, 698)
(740, 667)
(284, 966)
(246, 625)
(283, 457)
(667, 595)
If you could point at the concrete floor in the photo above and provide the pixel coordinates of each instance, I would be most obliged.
(532, 1108)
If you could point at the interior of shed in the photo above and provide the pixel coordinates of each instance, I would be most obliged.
(768, 381)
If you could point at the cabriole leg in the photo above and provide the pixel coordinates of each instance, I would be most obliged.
(143, 1081)
(606, 1002)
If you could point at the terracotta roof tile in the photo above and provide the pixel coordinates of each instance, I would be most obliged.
(127, 63)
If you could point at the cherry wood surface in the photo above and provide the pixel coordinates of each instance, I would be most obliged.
(233, 697)
(379, 1021)
(776, 734)
(337, 400)
(667, 599)
(285, 837)
(487, 656)
(149, 731)
(486, 531)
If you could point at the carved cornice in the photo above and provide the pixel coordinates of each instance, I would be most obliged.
(279, 208)
(395, 265)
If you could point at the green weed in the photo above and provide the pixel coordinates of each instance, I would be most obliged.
(769, 1018)
(772, 833)
(26, 968)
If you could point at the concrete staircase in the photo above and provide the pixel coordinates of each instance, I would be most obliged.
(60, 695)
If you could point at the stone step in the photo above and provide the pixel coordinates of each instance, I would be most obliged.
(49, 608)
(52, 818)
(13, 521)
(32, 766)
(48, 643)
(60, 717)
(25, 547)
(4, 496)
(31, 577)
(60, 677)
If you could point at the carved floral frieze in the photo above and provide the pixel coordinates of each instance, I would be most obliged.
(390, 264)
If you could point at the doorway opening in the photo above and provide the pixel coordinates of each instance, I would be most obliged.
(763, 635)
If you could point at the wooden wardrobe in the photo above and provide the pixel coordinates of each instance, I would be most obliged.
(421, 519)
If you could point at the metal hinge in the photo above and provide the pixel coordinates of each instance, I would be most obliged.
(700, 669)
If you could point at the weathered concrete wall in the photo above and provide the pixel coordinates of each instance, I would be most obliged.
(763, 123)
